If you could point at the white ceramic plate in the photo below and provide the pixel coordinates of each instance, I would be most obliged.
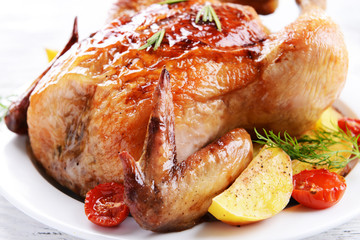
(26, 187)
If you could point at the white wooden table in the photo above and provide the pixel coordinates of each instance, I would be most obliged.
(28, 27)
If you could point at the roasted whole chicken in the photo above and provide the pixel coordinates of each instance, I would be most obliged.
(96, 99)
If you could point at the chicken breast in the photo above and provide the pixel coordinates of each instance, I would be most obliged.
(95, 101)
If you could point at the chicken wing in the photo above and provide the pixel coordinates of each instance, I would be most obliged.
(164, 194)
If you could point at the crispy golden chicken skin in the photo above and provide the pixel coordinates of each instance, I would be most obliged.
(96, 99)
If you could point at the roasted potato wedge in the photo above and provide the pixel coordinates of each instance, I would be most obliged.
(262, 190)
(329, 119)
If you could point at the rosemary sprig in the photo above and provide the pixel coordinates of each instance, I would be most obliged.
(315, 148)
(172, 1)
(154, 39)
(208, 14)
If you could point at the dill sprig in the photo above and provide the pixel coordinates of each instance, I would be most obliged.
(315, 148)
(171, 1)
(208, 14)
(154, 39)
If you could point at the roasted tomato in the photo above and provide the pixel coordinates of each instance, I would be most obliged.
(104, 204)
(352, 125)
(318, 188)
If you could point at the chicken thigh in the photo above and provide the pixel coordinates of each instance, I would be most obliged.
(95, 100)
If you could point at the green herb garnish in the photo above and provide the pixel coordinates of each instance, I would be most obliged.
(315, 148)
(156, 38)
(208, 14)
(172, 1)
(4, 106)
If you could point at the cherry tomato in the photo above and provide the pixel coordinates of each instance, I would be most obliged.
(105, 206)
(318, 188)
(350, 124)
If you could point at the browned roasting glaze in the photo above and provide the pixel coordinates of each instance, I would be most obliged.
(96, 99)
(261, 6)
(131, 7)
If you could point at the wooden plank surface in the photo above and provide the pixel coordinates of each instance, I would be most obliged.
(28, 27)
